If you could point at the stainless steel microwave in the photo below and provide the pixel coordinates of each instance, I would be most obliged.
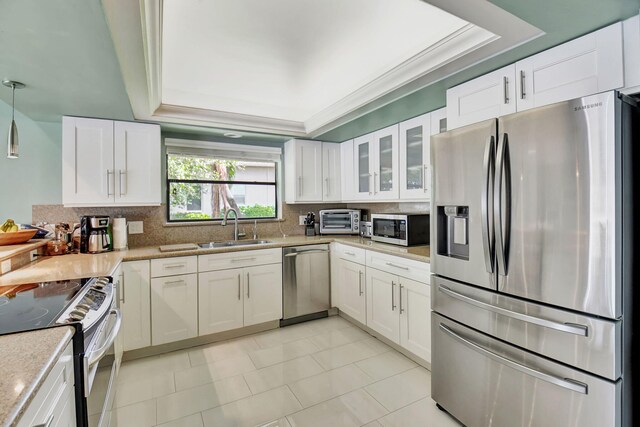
(400, 229)
(340, 221)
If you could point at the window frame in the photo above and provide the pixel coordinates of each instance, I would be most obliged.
(275, 183)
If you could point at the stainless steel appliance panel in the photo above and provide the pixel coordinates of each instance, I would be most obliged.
(558, 219)
(461, 179)
(486, 382)
(306, 280)
(585, 342)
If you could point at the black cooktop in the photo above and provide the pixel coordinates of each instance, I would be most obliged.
(35, 305)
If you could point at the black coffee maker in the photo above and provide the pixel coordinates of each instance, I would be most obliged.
(94, 234)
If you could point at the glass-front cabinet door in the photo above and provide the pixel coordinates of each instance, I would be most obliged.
(415, 173)
(363, 163)
(385, 170)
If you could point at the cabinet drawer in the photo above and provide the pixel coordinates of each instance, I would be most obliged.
(238, 259)
(351, 253)
(55, 387)
(403, 267)
(174, 266)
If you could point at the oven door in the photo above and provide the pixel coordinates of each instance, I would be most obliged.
(101, 364)
(389, 230)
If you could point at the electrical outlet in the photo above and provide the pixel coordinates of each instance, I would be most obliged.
(33, 255)
(136, 227)
(5, 266)
(301, 219)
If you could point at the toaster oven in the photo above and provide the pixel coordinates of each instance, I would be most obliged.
(340, 221)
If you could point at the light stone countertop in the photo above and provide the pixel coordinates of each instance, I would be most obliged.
(27, 358)
(87, 265)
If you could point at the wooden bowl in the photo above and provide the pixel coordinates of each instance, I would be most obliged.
(17, 237)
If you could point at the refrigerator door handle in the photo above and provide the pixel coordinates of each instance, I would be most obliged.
(487, 217)
(571, 328)
(502, 235)
(566, 383)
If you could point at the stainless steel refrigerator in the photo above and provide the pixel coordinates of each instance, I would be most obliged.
(532, 256)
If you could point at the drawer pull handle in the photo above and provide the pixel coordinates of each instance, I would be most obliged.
(571, 328)
(567, 383)
(175, 265)
(174, 282)
(350, 253)
(390, 264)
(242, 259)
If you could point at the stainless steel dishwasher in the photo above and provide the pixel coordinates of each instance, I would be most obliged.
(306, 283)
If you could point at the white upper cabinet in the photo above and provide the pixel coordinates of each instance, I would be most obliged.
(303, 171)
(107, 163)
(347, 178)
(87, 161)
(438, 121)
(331, 171)
(137, 163)
(415, 173)
(488, 96)
(385, 171)
(589, 64)
(363, 166)
(631, 36)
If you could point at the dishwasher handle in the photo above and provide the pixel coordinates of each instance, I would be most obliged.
(310, 251)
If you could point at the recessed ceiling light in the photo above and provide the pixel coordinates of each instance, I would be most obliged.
(232, 135)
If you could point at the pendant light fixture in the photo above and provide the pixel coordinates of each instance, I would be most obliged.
(12, 139)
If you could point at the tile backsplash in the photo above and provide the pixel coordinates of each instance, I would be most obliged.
(158, 232)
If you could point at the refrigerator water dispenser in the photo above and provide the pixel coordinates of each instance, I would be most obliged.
(453, 231)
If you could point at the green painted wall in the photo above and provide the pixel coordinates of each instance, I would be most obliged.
(562, 20)
(34, 178)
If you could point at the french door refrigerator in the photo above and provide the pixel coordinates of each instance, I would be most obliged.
(532, 255)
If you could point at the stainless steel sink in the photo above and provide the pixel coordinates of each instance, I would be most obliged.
(232, 243)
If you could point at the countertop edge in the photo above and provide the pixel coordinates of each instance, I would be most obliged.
(21, 248)
(29, 393)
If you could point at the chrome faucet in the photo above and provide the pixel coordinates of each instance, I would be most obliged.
(235, 223)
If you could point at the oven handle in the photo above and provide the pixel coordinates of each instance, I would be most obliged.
(95, 356)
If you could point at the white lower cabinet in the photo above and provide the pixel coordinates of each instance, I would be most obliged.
(231, 299)
(174, 308)
(399, 309)
(383, 314)
(263, 294)
(415, 317)
(54, 402)
(351, 289)
(220, 301)
(135, 305)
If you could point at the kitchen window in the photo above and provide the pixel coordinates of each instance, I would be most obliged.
(205, 179)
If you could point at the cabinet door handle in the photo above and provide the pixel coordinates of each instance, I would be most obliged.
(372, 184)
(393, 296)
(360, 282)
(326, 180)
(239, 293)
(505, 88)
(122, 287)
(424, 178)
(248, 287)
(401, 309)
(123, 176)
(375, 175)
(299, 186)
(109, 173)
(523, 94)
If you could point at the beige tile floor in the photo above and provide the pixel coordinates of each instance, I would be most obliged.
(325, 373)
